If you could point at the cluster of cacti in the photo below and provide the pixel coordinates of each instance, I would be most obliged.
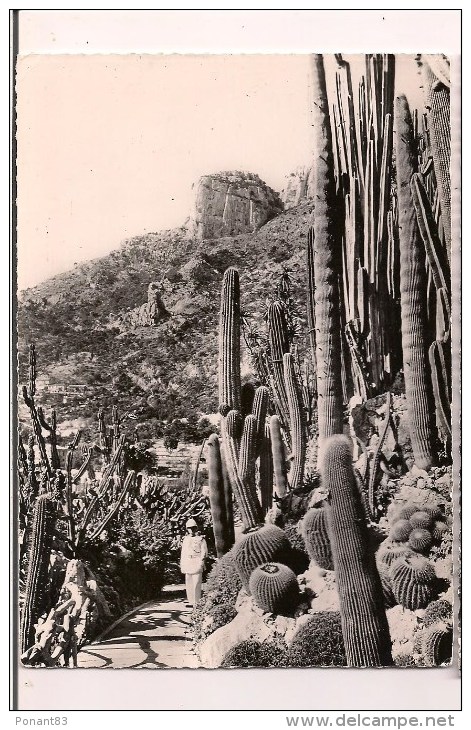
(315, 532)
(413, 533)
(245, 436)
(364, 624)
(274, 587)
(267, 544)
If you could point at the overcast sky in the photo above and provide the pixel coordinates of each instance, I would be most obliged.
(109, 146)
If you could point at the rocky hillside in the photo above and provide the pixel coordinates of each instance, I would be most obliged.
(139, 327)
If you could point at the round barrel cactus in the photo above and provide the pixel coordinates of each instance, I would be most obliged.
(437, 611)
(263, 545)
(413, 581)
(389, 552)
(420, 540)
(274, 588)
(400, 531)
(421, 519)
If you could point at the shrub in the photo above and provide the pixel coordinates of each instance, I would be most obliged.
(318, 642)
(256, 654)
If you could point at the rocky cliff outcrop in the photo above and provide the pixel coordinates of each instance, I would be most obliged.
(152, 312)
(231, 203)
(298, 187)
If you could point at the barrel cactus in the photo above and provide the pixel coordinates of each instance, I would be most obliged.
(269, 543)
(364, 624)
(274, 588)
(420, 540)
(389, 552)
(400, 531)
(421, 519)
(437, 645)
(413, 581)
(315, 532)
(437, 611)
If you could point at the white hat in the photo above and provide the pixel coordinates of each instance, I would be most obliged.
(191, 523)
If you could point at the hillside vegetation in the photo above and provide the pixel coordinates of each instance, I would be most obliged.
(78, 319)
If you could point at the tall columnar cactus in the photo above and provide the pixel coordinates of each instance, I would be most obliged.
(364, 624)
(278, 454)
(297, 422)
(244, 489)
(222, 532)
(438, 101)
(228, 500)
(259, 410)
(267, 544)
(326, 263)
(38, 563)
(413, 286)
(229, 341)
(274, 587)
(279, 345)
(441, 391)
(311, 287)
(248, 450)
(315, 532)
(266, 472)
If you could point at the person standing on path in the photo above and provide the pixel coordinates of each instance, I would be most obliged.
(193, 554)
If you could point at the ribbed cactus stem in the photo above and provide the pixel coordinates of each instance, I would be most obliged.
(279, 460)
(227, 498)
(364, 624)
(229, 341)
(326, 263)
(248, 450)
(311, 287)
(440, 389)
(413, 284)
(244, 491)
(38, 564)
(279, 345)
(266, 472)
(297, 421)
(259, 410)
(440, 142)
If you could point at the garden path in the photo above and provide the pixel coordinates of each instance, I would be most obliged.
(153, 636)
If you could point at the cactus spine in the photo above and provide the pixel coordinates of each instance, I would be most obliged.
(38, 563)
(278, 454)
(297, 421)
(222, 535)
(326, 264)
(364, 624)
(413, 281)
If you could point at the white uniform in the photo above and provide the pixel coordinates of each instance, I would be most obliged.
(193, 554)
